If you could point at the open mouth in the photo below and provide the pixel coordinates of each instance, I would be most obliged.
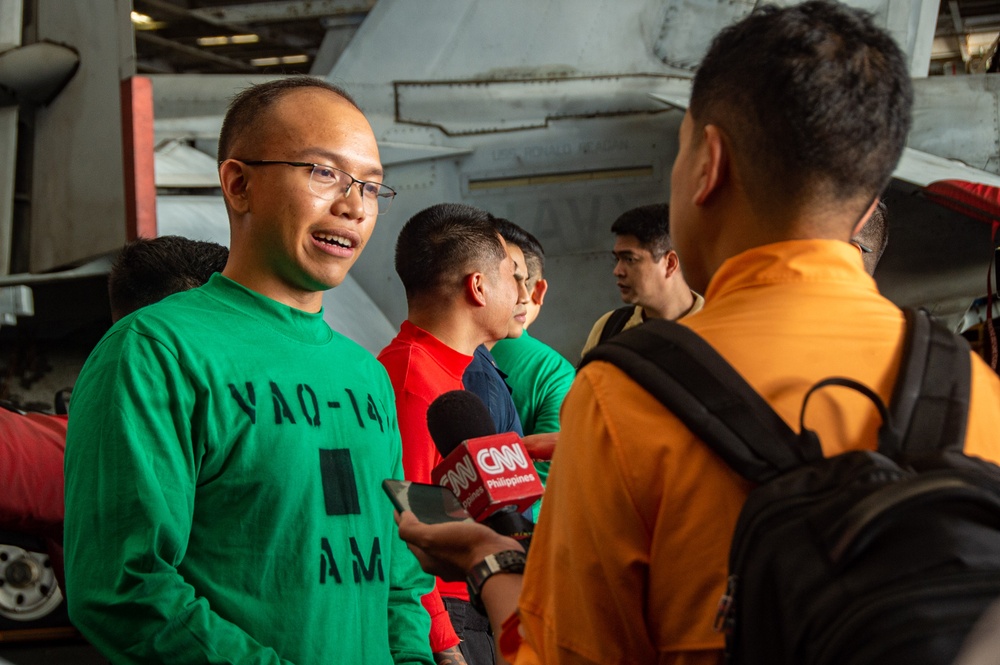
(334, 240)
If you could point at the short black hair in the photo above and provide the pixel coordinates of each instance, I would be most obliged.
(650, 224)
(440, 245)
(534, 255)
(147, 270)
(248, 111)
(815, 99)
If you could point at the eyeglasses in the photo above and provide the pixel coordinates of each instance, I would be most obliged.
(865, 249)
(328, 182)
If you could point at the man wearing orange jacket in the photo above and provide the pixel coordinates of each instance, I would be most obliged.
(798, 117)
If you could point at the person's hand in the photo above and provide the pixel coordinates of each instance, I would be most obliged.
(452, 656)
(451, 550)
(541, 446)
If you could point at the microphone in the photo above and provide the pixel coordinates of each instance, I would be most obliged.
(455, 416)
(491, 474)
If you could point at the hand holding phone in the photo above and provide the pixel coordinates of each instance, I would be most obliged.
(431, 504)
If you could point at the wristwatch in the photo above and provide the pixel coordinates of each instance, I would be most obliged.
(508, 561)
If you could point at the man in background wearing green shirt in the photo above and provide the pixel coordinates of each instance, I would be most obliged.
(537, 374)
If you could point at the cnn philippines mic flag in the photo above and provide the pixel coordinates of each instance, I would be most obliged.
(489, 474)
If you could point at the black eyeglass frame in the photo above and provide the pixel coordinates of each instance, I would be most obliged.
(865, 249)
(313, 165)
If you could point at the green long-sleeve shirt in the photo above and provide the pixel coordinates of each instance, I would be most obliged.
(223, 501)
(539, 378)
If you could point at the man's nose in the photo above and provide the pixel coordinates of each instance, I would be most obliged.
(351, 203)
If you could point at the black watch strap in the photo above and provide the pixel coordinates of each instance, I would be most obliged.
(508, 561)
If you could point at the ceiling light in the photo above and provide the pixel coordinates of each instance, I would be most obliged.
(283, 60)
(223, 40)
(213, 41)
(145, 22)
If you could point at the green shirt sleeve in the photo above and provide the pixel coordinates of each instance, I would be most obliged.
(558, 377)
(409, 623)
(552, 391)
(131, 468)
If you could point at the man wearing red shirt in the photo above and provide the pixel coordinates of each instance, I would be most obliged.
(461, 292)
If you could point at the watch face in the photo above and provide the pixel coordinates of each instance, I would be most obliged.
(508, 561)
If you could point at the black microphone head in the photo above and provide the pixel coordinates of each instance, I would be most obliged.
(455, 416)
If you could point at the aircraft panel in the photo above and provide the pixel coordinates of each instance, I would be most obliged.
(958, 117)
(565, 183)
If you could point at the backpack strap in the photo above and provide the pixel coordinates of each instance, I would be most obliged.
(616, 322)
(708, 395)
(929, 407)
(930, 402)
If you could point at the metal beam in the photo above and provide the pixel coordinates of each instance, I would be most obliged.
(172, 9)
(223, 61)
(956, 16)
(981, 22)
(284, 10)
(11, 12)
(157, 66)
(274, 35)
(346, 21)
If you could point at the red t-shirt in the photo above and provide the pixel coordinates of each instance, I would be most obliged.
(421, 367)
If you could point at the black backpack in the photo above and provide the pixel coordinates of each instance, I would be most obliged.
(616, 322)
(866, 557)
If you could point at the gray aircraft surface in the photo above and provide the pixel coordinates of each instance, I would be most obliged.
(518, 109)
(557, 115)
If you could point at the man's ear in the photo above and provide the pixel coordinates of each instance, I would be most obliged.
(234, 185)
(864, 218)
(475, 288)
(713, 163)
(538, 291)
(671, 263)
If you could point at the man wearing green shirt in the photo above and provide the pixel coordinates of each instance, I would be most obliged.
(538, 375)
(226, 447)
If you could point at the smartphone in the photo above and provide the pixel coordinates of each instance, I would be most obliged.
(432, 504)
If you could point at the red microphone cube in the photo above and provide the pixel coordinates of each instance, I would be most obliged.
(490, 473)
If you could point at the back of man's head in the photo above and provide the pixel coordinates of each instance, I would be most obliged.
(534, 262)
(150, 269)
(815, 100)
(440, 245)
(534, 259)
(649, 224)
(534, 256)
